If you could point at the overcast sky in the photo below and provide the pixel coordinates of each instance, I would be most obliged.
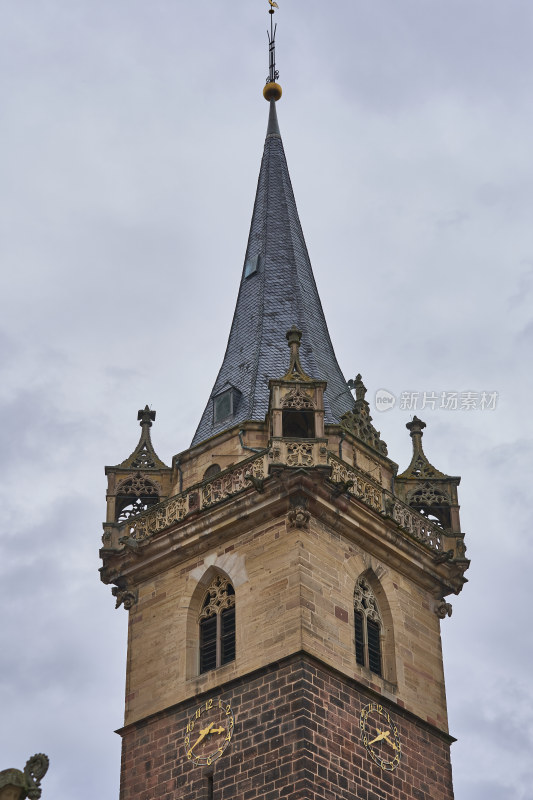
(132, 134)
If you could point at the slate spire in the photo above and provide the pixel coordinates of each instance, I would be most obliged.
(277, 291)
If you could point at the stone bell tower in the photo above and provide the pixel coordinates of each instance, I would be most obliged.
(284, 586)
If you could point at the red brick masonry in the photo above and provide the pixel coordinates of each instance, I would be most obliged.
(296, 737)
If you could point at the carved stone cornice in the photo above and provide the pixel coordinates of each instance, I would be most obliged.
(288, 453)
(366, 514)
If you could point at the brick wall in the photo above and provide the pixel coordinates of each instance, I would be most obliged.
(296, 737)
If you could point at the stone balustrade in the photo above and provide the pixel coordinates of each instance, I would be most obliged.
(295, 453)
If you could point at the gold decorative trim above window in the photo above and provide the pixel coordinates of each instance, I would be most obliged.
(217, 625)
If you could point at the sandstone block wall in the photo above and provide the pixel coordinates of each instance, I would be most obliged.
(294, 590)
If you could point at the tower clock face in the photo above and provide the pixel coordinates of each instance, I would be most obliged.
(209, 731)
(380, 736)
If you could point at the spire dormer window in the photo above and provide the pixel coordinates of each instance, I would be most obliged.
(225, 404)
(298, 424)
(252, 265)
(298, 416)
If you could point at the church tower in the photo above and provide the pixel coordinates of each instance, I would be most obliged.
(284, 585)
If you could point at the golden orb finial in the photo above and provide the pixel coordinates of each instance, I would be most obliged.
(272, 91)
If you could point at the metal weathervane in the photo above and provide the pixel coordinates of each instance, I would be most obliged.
(273, 73)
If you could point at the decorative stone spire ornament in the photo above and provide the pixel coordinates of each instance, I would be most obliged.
(296, 406)
(140, 481)
(419, 467)
(359, 386)
(359, 421)
(16, 784)
(427, 489)
(144, 456)
(295, 371)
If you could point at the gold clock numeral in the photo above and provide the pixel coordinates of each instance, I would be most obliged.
(213, 734)
(380, 736)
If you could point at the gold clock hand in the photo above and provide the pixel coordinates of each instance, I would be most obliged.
(203, 734)
(385, 735)
(386, 738)
(381, 735)
(218, 730)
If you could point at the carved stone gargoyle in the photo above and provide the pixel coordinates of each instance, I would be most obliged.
(443, 609)
(17, 785)
(123, 597)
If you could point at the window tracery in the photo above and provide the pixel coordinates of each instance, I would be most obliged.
(368, 627)
(298, 400)
(217, 625)
(144, 459)
(432, 502)
(134, 495)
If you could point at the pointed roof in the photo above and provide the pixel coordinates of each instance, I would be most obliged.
(144, 456)
(420, 467)
(277, 291)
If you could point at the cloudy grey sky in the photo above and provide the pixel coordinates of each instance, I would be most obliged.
(131, 140)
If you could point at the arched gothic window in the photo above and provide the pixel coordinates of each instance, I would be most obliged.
(217, 625)
(298, 416)
(432, 502)
(368, 627)
(211, 471)
(135, 495)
